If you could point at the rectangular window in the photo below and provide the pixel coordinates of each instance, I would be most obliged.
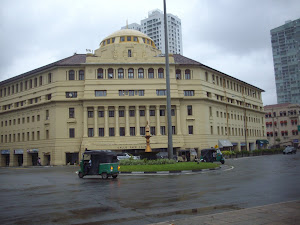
(49, 78)
(210, 111)
(132, 131)
(211, 130)
(141, 92)
(111, 113)
(100, 113)
(190, 128)
(131, 113)
(100, 93)
(162, 130)
(111, 131)
(47, 134)
(162, 112)
(91, 132)
(152, 112)
(38, 136)
(172, 112)
(71, 113)
(152, 130)
(71, 132)
(122, 131)
(189, 110)
(189, 93)
(90, 114)
(142, 131)
(173, 130)
(161, 92)
(121, 113)
(142, 112)
(101, 132)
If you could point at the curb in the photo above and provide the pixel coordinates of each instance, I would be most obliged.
(171, 172)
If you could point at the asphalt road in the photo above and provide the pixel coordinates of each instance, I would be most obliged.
(56, 195)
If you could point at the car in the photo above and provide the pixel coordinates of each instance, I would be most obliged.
(125, 155)
(289, 150)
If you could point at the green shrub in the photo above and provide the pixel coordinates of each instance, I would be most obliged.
(146, 162)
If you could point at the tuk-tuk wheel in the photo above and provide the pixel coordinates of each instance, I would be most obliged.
(222, 161)
(80, 175)
(114, 176)
(104, 175)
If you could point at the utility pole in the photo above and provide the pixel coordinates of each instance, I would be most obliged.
(170, 142)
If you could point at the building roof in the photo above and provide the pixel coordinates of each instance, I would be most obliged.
(79, 59)
(74, 60)
(282, 105)
(127, 32)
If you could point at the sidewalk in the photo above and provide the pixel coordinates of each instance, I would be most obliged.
(285, 213)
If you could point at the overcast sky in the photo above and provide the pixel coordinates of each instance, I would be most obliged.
(232, 36)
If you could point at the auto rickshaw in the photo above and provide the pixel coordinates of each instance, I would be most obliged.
(188, 155)
(99, 162)
(211, 155)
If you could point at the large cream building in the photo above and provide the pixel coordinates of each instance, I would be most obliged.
(104, 100)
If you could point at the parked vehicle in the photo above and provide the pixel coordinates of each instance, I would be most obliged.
(99, 162)
(188, 155)
(125, 155)
(289, 150)
(165, 155)
(211, 155)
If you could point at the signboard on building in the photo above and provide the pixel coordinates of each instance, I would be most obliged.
(298, 127)
(4, 152)
(18, 151)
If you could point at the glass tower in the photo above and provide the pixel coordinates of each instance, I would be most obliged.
(286, 57)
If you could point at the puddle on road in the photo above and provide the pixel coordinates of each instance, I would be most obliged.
(194, 212)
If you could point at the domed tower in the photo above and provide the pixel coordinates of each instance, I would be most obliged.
(126, 46)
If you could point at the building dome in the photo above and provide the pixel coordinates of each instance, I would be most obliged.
(127, 36)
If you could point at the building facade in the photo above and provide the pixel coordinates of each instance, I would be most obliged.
(282, 121)
(153, 26)
(286, 58)
(104, 100)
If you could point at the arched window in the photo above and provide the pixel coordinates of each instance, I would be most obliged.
(160, 73)
(110, 73)
(151, 73)
(100, 73)
(81, 74)
(141, 73)
(130, 73)
(178, 74)
(129, 53)
(71, 75)
(120, 73)
(187, 74)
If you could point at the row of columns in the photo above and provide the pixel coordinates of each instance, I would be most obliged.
(127, 127)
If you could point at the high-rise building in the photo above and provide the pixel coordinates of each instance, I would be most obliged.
(286, 57)
(153, 26)
(133, 26)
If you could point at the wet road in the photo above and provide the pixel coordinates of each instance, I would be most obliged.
(57, 196)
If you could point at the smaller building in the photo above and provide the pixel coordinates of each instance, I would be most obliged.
(282, 124)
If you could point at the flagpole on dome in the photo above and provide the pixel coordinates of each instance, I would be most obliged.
(170, 142)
